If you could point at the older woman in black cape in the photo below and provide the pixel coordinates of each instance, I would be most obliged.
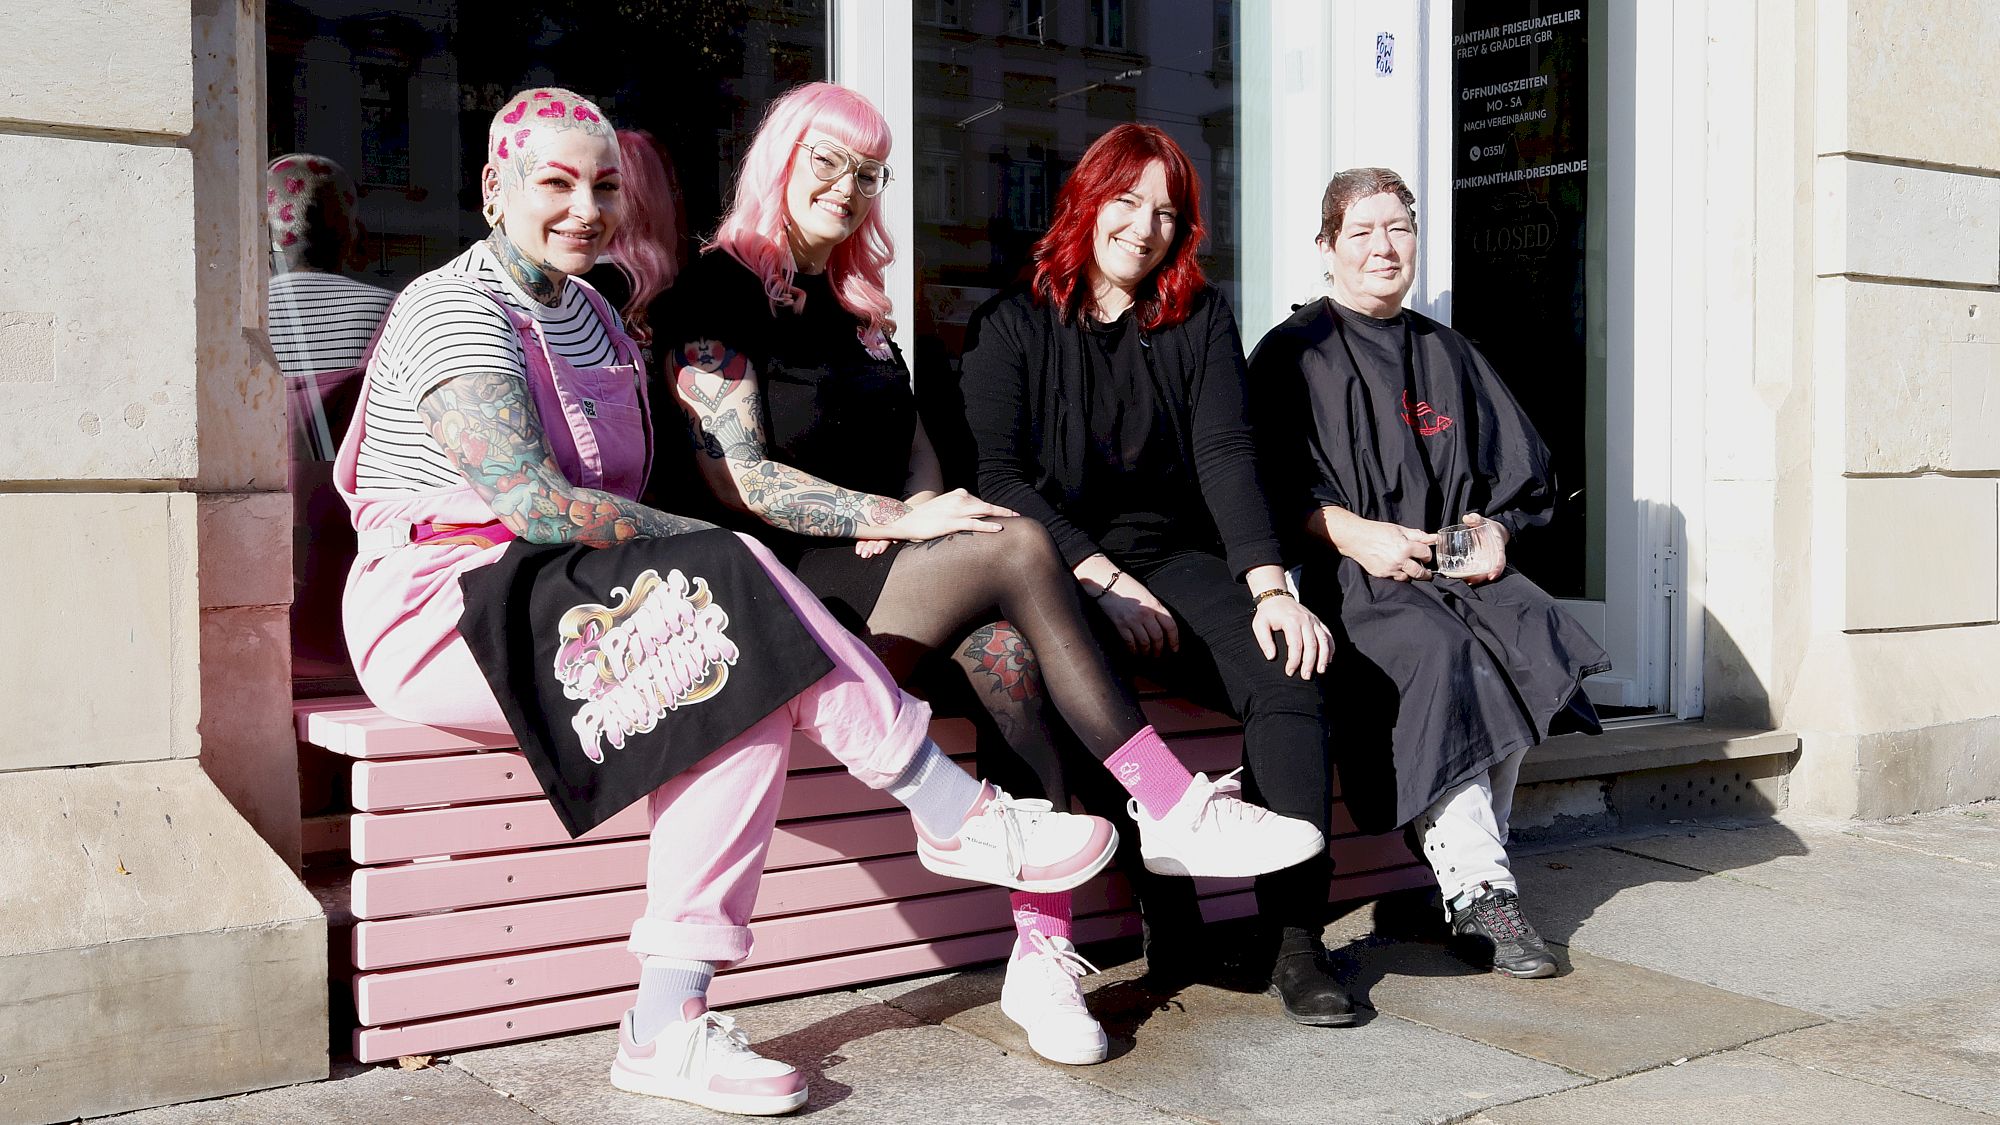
(1384, 424)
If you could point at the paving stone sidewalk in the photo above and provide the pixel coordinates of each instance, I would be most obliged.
(1785, 971)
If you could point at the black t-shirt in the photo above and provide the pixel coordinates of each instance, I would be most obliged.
(1141, 500)
(829, 408)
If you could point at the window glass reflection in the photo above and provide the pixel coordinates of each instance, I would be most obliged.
(1008, 96)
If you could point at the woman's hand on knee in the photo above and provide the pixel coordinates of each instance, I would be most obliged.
(946, 514)
(1143, 623)
(1308, 642)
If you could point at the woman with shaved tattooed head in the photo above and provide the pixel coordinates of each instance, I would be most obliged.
(508, 579)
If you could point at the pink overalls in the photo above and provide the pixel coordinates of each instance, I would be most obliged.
(403, 603)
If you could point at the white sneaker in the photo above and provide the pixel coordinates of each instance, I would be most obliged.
(1213, 833)
(1041, 994)
(705, 1060)
(1025, 845)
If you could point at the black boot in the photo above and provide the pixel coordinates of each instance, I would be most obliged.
(1490, 931)
(1303, 982)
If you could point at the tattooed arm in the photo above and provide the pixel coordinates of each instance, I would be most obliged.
(717, 387)
(487, 424)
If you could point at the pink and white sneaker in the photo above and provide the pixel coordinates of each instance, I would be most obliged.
(705, 1060)
(1213, 832)
(1042, 995)
(1025, 845)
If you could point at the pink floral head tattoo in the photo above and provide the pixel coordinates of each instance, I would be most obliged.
(309, 206)
(510, 139)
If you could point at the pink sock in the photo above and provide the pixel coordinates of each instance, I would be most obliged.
(1046, 914)
(1150, 772)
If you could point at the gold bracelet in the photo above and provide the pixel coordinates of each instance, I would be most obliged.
(1273, 592)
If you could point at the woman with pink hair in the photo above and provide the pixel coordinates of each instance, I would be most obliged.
(509, 579)
(806, 422)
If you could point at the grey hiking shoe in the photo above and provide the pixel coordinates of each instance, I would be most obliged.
(1490, 931)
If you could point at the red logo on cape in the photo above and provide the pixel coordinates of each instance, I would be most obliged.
(1425, 418)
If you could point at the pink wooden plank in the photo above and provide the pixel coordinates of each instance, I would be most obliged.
(502, 826)
(459, 934)
(603, 1009)
(403, 994)
(385, 892)
(811, 842)
(451, 779)
(506, 1025)
(303, 709)
(365, 732)
(494, 775)
(387, 837)
(578, 1013)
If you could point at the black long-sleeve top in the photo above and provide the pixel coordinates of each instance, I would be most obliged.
(1026, 379)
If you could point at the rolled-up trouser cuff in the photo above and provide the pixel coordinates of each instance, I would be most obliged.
(690, 941)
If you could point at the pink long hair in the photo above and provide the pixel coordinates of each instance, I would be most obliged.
(753, 232)
(652, 234)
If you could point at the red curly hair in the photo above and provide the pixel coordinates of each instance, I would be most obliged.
(1112, 164)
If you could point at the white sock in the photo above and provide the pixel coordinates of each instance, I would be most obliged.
(936, 791)
(666, 984)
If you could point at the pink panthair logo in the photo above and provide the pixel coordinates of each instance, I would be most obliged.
(660, 648)
(1424, 418)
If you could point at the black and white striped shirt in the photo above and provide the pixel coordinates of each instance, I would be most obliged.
(443, 326)
(323, 321)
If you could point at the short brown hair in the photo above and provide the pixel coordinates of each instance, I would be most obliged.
(1350, 187)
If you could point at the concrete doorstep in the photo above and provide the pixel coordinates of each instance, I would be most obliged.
(1781, 971)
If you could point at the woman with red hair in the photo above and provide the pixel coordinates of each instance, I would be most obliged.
(807, 424)
(1107, 400)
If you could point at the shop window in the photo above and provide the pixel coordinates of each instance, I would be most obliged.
(1021, 128)
(398, 96)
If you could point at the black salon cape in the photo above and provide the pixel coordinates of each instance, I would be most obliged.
(1433, 682)
(515, 610)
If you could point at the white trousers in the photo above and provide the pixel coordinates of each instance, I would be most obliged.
(1464, 834)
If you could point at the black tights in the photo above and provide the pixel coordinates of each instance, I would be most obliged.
(940, 590)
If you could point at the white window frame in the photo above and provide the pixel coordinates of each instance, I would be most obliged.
(870, 48)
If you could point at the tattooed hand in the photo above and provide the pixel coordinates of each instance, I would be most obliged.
(717, 389)
(487, 424)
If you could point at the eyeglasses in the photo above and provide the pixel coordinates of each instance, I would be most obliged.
(830, 162)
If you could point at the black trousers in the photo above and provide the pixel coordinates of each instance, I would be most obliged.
(1284, 722)
(1220, 666)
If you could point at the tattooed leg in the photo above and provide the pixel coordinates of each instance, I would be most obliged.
(935, 593)
(487, 424)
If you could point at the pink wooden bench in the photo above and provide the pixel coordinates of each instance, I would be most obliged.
(463, 915)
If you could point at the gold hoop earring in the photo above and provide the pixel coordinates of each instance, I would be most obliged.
(490, 211)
